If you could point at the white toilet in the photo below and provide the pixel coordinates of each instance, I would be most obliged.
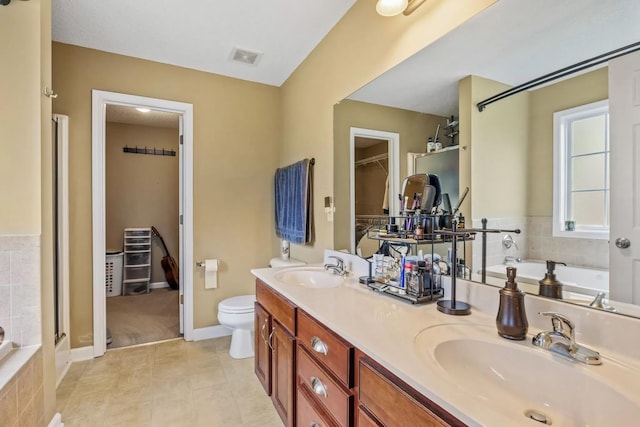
(237, 313)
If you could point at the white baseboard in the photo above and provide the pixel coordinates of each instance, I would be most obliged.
(56, 421)
(158, 285)
(210, 332)
(82, 353)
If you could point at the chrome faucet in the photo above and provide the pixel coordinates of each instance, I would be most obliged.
(510, 258)
(598, 302)
(562, 341)
(337, 268)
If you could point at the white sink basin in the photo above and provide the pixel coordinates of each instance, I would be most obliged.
(310, 277)
(518, 379)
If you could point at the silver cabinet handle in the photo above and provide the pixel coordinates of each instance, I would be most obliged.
(314, 424)
(318, 346)
(623, 242)
(318, 388)
(270, 342)
(262, 331)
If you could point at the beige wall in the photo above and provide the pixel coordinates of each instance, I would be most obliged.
(498, 149)
(413, 129)
(19, 113)
(359, 48)
(580, 90)
(237, 130)
(142, 190)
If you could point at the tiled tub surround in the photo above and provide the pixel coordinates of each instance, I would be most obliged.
(20, 289)
(21, 386)
(21, 397)
(585, 252)
(536, 242)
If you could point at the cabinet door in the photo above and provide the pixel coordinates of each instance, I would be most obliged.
(262, 360)
(282, 373)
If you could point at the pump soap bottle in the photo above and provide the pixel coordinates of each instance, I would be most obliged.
(512, 318)
(550, 286)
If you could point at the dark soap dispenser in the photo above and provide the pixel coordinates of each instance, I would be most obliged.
(512, 318)
(550, 286)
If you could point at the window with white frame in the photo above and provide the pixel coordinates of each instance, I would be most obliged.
(581, 171)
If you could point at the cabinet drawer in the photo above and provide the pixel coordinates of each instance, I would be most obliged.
(279, 307)
(327, 347)
(326, 390)
(308, 414)
(390, 403)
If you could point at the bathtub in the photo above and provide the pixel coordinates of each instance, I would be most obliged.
(580, 280)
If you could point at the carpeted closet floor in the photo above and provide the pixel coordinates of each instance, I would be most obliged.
(138, 319)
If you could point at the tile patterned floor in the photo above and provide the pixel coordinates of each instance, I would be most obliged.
(169, 384)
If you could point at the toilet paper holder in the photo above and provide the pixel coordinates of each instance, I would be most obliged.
(201, 264)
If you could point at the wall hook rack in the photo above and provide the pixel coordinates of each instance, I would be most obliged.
(151, 151)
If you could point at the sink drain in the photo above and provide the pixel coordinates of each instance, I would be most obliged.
(538, 416)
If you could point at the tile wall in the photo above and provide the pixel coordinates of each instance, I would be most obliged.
(535, 242)
(20, 289)
(21, 398)
(583, 252)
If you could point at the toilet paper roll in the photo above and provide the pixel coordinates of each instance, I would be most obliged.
(211, 273)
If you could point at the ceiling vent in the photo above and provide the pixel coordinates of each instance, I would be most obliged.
(245, 56)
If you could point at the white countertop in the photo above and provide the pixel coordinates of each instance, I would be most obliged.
(386, 328)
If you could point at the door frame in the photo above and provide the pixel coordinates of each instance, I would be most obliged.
(393, 148)
(100, 100)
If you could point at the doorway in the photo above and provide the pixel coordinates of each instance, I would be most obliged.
(183, 113)
(375, 170)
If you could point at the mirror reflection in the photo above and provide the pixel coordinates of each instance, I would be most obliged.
(506, 152)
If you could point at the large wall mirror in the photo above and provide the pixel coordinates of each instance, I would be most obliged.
(506, 152)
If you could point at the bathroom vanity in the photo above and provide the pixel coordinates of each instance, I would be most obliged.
(334, 383)
(339, 354)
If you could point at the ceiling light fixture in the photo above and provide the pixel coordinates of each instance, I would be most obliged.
(396, 7)
(143, 110)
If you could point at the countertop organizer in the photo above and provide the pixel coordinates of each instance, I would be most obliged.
(403, 235)
(137, 261)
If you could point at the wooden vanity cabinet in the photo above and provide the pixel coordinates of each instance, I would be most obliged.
(385, 400)
(274, 362)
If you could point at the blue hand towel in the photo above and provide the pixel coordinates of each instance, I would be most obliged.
(293, 200)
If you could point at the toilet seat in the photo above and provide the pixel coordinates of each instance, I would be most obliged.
(238, 305)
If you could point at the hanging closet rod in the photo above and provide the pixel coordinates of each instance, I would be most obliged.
(371, 159)
(560, 73)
